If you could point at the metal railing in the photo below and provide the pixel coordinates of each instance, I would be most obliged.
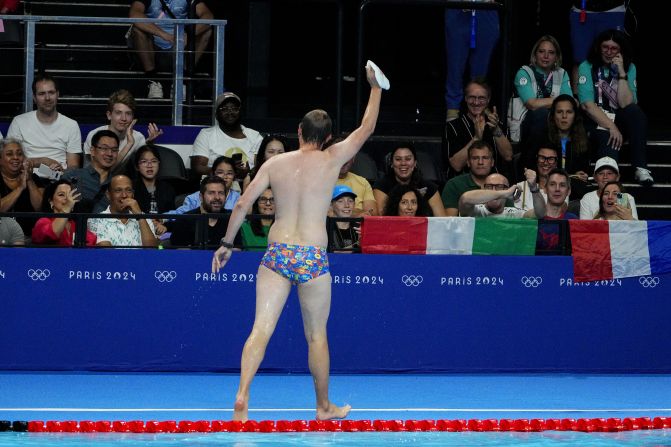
(30, 23)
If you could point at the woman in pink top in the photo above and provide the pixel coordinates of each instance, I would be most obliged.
(60, 197)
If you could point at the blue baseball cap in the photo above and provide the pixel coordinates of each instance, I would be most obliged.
(342, 190)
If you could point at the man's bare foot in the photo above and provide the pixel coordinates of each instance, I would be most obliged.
(240, 410)
(333, 412)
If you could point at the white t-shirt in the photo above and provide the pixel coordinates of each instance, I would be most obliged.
(46, 140)
(139, 141)
(589, 205)
(480, 210)
(212, 142)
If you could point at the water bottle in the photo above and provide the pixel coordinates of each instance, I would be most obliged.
(153, 204)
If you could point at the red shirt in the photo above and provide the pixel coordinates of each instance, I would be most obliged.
(43, 233)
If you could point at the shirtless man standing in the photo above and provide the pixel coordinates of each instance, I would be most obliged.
(302, 183)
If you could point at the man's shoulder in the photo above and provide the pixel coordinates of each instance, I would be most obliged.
(89, 136)
(64, 120)
(24, 118)
(589, 197)
(251, 133)
(460, 181)
(353, 178)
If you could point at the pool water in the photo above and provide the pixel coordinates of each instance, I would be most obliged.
(651, 438)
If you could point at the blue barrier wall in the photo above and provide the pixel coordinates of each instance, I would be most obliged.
(161, 310)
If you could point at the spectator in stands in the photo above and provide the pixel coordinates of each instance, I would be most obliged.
(480, 162)
(557, 188)
(546, 160)
(147, 38)
(404, 200)
(588, 19)
(537, 84)
(470, 39)
(228, 138)
(605, 170)
(477, 123)
(255, 230)
(10, 232)
(270, 146)
(92, 180)
(364, 202)
(18, 187)
(343, 235)
(608, 95)
(491, 200)
(223, 167)
(121, 115)
(48, 137)
(613, 203)
(124, 232)
(59, 197)
(189, 232)
(403, 170)
(154, 196)
(566, 131)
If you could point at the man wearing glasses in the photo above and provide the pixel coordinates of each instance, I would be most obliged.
(92, 180)
(229, 137)
(479, 122)
(546, 160)
(491, 200)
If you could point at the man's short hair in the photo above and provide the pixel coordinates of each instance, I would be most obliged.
(480, 144)
(121, 97)
(101, 134)
(480, 81)
(316, 127)
(209, 180)
(43, 77)
(563, 173)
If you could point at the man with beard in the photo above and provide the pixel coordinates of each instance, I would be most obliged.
(48, 137)
(228, 138)
(92, 180)
(188, 232)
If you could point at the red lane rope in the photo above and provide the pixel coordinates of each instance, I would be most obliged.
(347, 425)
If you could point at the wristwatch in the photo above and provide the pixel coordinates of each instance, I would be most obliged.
(226, 244)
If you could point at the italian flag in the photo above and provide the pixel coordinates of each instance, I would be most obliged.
(449, 235)
(608, 249)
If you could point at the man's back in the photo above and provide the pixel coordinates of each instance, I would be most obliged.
(302, 182)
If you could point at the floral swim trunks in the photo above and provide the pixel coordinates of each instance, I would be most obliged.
(298, 263)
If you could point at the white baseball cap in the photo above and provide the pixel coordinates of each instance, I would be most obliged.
(606, 162)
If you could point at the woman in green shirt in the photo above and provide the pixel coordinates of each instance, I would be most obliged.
(255, 231)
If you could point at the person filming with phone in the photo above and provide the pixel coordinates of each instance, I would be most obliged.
(605, 170)
(614, 203)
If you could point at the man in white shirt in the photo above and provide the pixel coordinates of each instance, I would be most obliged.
(121, 115)
(491, 200)
(126, 232)
(228, 138)
(48, 137)
(605, 170)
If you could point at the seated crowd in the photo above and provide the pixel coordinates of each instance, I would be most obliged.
(117, 169)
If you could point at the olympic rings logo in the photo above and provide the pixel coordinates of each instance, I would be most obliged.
(531, 281)
(648, 281)
(412, 280)
(165, 275)
(39, 274)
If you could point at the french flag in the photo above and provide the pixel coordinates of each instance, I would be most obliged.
(609, 249)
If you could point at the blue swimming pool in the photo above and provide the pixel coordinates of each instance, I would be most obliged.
(652, 438)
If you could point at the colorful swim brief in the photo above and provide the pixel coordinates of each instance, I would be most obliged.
(298, 263)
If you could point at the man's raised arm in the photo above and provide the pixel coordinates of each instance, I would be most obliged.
(348, 148)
